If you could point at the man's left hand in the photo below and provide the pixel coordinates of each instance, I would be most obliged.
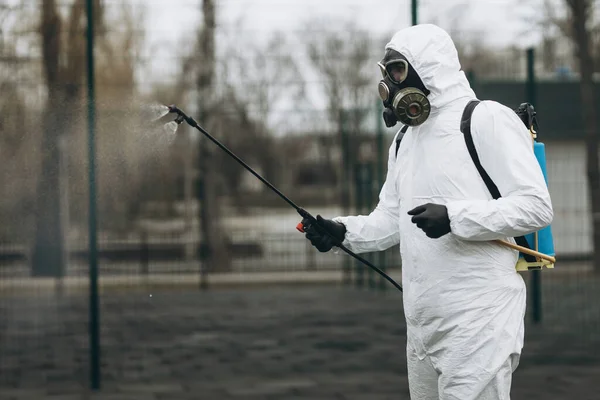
(432, 219)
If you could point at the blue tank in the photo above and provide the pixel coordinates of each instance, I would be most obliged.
(545, 239)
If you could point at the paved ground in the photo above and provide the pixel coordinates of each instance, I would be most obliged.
(321, 342)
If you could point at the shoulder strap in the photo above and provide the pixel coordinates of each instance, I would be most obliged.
(399, 138)
(465, 128)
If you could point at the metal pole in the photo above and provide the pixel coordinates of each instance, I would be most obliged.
(94, 323)
(536, 279)
(359, 192)
(368, 184)
(471, 78)
(414, 9)
(345, 200)
(381, 168)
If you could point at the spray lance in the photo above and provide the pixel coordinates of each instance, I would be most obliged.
(307, 219)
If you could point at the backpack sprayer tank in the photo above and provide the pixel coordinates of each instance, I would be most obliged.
(541, 240)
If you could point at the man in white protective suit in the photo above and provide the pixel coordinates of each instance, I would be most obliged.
(464, 302)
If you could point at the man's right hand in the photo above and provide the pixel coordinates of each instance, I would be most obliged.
(325, 234)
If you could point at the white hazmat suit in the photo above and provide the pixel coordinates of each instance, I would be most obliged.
(464, 301)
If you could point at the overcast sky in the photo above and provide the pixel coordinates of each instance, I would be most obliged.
(499, 21)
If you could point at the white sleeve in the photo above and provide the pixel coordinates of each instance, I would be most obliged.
(505, 149)
(380, 229)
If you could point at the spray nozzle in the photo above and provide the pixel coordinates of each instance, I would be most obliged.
(181, 116)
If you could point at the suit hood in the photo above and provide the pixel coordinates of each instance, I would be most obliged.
(433, 55)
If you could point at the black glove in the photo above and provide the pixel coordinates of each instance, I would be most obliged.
(432, 219)
(318, 234)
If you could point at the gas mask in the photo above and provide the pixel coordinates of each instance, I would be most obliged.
(403, 94)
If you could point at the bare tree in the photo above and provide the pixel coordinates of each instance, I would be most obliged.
(217, 257)
(237, 88)
(581, 11)
(478, 58)
(263, 75)
(121, 152)
(261, 90)
(345, 61)
(19, 143)
(63, 45)
(556, 25)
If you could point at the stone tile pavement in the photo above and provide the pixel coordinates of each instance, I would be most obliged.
(321, 342)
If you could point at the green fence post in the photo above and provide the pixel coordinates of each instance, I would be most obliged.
(359, 189)
(381, 168)
(414, 10)
(471, 77)
(536, 278)
(368, 184)
(94, 317)
(345, 197)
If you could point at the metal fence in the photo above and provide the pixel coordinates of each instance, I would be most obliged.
(150, 241)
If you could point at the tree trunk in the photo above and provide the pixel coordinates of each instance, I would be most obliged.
(47, 255)
(63, 72)
(216, 255)
(581, 11)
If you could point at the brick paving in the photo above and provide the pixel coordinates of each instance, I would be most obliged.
(321, 342)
